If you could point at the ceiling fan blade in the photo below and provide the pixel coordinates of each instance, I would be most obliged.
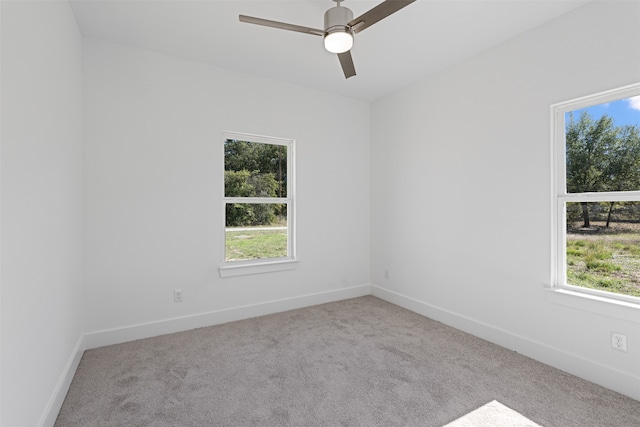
(378, 13)
(346, 61)
(281, 25)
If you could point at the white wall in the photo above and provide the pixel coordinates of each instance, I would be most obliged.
(153, 186)
(461, 192)
(41, 166)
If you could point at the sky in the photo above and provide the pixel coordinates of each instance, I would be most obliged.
(624, 111)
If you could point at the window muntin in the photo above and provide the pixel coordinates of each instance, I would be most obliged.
(597, 194)
(258, 200)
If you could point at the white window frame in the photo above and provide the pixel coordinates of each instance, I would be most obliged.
(263, 265)
(560, 197)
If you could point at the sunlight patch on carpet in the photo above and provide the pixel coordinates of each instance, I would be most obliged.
(493, 414)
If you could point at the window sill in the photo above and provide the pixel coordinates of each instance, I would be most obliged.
(595, 304)
(232, 270)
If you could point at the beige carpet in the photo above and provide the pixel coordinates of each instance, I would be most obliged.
(493, 414)
(360, 362)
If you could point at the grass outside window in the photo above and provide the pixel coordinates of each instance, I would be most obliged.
(605, 258)
(255, 243)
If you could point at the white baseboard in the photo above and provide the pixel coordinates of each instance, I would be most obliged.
(52, 409)
(579, 366)
(178, 324)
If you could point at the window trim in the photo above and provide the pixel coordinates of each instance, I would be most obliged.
(560, 196)
(263, 265)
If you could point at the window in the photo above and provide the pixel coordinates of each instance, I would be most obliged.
(258, 204)
(596, 216)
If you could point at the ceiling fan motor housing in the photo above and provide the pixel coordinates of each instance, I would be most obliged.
(336, 19)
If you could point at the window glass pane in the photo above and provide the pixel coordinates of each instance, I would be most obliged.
(603, 246)
(603, 147)
(255, 231)
(253, 169)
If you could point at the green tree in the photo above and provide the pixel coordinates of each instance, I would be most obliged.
(254, 156)
(601, 157)
(254, 170)
(236, 184)
(249, 184)
(624, 171)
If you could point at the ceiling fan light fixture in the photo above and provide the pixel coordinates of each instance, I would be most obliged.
(338, 41)
(338, 37)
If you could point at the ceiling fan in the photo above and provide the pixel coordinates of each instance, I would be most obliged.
(339, 27)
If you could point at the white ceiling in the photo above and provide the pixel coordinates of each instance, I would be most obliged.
(423, 38)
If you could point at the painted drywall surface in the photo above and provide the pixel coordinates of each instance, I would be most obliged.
(153, 181)
(41, 203)
(461, 181)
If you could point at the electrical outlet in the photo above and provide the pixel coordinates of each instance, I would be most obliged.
(177, 295)
(386, 274)
(618, 341)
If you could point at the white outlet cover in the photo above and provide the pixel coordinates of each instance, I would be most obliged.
(619, 341)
